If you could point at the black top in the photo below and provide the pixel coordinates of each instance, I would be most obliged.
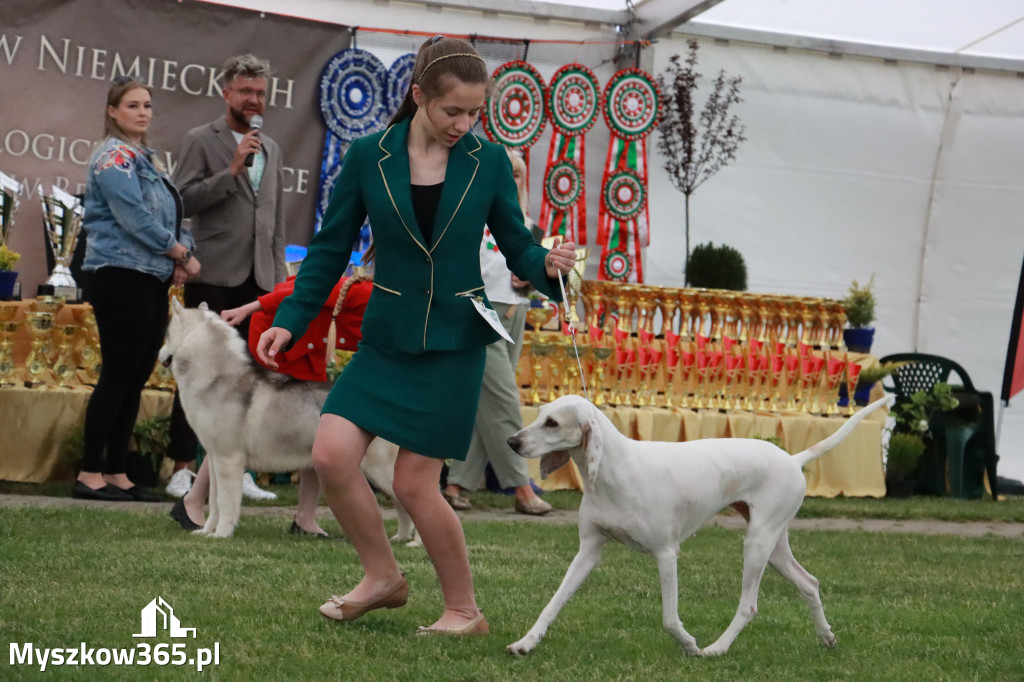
(425, 199)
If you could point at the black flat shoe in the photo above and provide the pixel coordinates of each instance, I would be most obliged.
(179, 514)
(294, 529)
(142, 495)
(108, 493)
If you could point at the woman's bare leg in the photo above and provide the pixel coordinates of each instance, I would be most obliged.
(195, 498)
(416, 485)
(337, 451)
(309, 497)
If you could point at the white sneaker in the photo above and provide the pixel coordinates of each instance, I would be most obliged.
(253, 492)
(180, 483)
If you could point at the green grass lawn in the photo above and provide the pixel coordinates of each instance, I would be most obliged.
(938, 508)
(903, 607)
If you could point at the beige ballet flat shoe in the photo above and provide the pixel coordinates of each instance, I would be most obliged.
(477, 626)
(337, 608)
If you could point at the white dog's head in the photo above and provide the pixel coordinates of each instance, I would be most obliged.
(568, 426)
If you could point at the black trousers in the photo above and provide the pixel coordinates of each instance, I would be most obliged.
(184, 442)
(131, 316)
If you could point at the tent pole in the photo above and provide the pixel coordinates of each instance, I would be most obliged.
(950, 121)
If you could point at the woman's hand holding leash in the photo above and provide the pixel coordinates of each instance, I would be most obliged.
(270, 342)
(560, 259)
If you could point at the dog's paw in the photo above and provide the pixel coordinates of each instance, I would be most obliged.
(830, 641)
(713, 650)
(690, 647)
(522, 647)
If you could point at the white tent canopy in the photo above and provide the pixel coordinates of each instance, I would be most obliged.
(990, 30)
(980, 29)
(883, 138)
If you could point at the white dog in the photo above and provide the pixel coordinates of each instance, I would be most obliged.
(249, 417)
(651, 496)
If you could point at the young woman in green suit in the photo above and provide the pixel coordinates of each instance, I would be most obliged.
(428, 186)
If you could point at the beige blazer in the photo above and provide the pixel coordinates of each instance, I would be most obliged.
(236, 229)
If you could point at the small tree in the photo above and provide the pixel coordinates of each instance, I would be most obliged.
(717, 267)
(696, 147)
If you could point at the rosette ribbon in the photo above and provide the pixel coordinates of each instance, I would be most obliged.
(514, 115)
(573, 103)
(632, 109)
(353, 103)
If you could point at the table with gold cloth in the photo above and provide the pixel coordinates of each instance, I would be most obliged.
(853, 469)
(34, 421)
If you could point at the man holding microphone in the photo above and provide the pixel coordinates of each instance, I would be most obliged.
(229, 176)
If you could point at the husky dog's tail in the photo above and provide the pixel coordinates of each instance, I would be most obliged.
(836, 438)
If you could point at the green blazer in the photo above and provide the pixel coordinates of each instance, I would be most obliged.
(422, 292)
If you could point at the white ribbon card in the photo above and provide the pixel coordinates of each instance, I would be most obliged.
(491, 318)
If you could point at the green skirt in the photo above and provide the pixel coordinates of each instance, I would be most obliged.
(425, 403)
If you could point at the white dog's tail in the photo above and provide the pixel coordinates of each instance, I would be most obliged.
(836, 438)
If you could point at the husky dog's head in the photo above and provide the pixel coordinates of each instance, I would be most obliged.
(193, 332)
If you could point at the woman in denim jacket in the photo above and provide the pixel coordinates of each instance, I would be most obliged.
(137, 249)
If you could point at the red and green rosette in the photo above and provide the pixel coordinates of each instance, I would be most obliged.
(632, 109)
(573, 104)
(514, 115)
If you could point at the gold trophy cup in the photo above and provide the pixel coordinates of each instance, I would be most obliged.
(538, 351)
(602, 356)
(89, 348)
(40, 325)
(538, 316)
(7, 329)
(65, 366)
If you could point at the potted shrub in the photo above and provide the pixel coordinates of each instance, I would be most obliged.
(716, 267)
(151, 437)
(905, 449)
(8, 259)
(868, 377)
(915, 417)
(860, 313)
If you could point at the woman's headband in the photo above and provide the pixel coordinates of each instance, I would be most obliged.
(447, 56)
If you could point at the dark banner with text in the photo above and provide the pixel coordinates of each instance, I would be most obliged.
(57, 58)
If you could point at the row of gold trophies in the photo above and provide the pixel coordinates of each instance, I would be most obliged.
(643, 345)
(58, 351)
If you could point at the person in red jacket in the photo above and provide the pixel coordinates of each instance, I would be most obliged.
(308, 357)
(307, 360)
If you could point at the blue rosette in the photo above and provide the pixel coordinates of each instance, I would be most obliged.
(400, 76)
(353, 103)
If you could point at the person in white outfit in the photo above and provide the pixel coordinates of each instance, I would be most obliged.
(498, 415)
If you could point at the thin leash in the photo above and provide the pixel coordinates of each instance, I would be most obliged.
(572, 333)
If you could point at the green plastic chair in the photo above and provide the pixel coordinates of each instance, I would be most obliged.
(963, 441)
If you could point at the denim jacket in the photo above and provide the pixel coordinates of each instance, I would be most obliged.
(132, 212)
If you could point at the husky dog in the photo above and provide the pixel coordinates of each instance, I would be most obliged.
(249, 417)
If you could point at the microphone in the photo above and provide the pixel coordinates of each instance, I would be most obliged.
(256, 122)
